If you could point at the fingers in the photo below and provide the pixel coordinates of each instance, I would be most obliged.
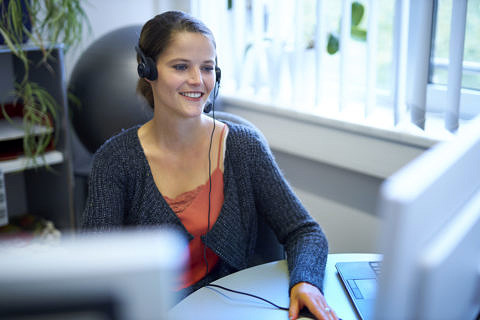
(328, 313)
(293, 309)
(323, 313)
(333, 314)
(318, 307)
(305, 295)
(303, 306)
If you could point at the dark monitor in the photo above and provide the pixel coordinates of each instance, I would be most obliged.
(117, 276)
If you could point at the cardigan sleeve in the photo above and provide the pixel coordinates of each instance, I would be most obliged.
(304, 241)
(105, 205)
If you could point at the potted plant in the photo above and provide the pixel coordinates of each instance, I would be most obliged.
(42, 24)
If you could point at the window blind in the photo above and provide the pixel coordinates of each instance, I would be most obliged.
(272, 34)
(457, 42)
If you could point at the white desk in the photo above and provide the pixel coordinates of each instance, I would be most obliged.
(269, 281)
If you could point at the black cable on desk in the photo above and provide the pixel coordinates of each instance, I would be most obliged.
(304, 312)
(247, 294)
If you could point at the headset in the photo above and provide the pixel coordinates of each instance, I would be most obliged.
(147, 69)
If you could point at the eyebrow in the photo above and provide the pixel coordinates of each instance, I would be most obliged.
(176, 60)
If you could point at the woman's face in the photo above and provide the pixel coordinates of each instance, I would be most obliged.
(186, 74)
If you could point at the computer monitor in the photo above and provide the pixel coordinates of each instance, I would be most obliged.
(430, 236)
(116, 276)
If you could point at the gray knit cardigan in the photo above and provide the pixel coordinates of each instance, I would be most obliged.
(122, 192)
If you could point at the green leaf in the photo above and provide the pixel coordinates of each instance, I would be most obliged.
(357, 13)
(358, 34)
(39, 107)
(333, 44)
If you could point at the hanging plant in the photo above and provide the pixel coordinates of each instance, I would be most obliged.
(42, 24)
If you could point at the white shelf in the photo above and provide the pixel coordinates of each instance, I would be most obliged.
(22, 163)
(14, 130)
(29, 46)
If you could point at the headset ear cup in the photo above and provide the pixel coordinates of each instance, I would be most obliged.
(141, 70)
(146, 67)
(152, 69)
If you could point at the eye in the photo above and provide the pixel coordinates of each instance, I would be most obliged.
(180, 67)
(207, 68)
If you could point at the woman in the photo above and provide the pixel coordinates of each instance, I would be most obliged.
(184, 169)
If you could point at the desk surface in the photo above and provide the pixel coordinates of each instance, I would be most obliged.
(269, 281)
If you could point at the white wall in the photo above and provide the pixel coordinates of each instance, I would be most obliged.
(343, 202)
(335, 169)
(108, 15)
(347, 229)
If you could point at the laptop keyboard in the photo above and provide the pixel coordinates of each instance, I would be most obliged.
(376, 265)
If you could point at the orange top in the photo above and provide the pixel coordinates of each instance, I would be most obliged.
(192, 209)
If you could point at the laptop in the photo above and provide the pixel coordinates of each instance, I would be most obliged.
(360, 280)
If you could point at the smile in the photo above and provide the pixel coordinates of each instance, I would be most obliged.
(192, 94)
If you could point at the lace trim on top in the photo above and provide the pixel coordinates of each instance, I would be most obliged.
(184, 200)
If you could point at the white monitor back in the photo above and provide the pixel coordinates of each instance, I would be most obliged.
(426, 233)
(117, 275)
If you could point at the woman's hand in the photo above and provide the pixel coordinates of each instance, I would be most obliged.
(303, 295)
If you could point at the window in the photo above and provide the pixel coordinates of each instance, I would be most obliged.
(383, 66)
(470, 80)
(471, 63)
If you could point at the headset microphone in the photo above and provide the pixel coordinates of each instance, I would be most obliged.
(208, 107)
(218, 75)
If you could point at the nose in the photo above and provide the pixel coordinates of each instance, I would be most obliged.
(195, 76)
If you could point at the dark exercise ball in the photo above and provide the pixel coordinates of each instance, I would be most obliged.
(104, 81)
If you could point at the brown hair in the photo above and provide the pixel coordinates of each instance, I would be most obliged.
(156, 35)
